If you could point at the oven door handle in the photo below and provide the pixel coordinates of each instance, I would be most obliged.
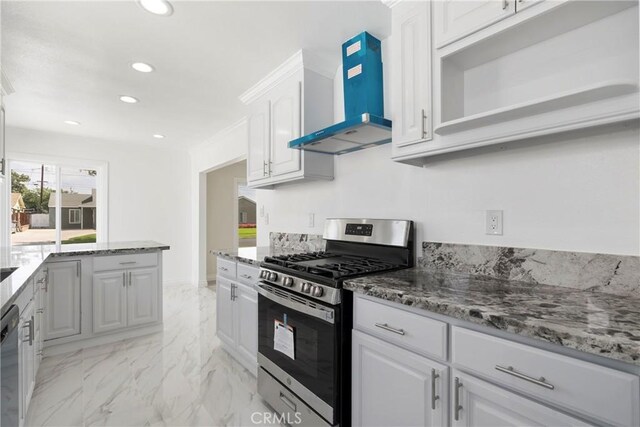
(325, 314)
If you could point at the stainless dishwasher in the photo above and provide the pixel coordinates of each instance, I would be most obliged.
(9, 367)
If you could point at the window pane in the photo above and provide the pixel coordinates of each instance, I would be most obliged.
(246, 217)
(78, 207)
(32, 215)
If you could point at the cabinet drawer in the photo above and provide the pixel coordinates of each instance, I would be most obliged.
(120, 262)
(418, 333)
(247, 274)
(598, 392)
(226, 268)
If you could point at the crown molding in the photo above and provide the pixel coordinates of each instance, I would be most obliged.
(390, 3)
(299, 60)
(286, 69)
(5, 84)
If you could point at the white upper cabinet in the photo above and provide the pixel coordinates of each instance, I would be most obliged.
(291, 101)
(411, 75)
(455, 19)
(258, 125)
(285, 126)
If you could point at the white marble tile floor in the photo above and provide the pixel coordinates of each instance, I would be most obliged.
(178, 377)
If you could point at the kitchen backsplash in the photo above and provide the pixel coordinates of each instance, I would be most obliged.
(617, 274)
(295, 242)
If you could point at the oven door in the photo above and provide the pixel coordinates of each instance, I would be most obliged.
(312, 372)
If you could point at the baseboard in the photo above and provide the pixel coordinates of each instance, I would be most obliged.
(52, 349)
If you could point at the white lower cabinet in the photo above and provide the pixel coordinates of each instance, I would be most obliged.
(481, 379)
(477, 403)
(62, 300)
(395, 387)
(27, 354)
(125, 298)
(237, 314)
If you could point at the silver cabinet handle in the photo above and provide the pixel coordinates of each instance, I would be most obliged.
(505, 3)
(434, 396)
(224, 269)
(29, 324)
(390, 329)
(270, 163)
(129, 279)
(246, 276)
(40, 310)
(537, 381)
(264, 168)
(124, 279)
(128, 263)
(46, 281)
(456, 399)
(233, 292)
(424, 126)
(287, 401)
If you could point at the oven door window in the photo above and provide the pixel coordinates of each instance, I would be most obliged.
(315, 347)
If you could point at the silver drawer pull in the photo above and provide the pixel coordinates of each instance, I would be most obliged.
(390, 329)
(287, 401)
(537, 381)
(128, 262)
(224, 269)
(246, 276)
(434, 396)
(457, 407)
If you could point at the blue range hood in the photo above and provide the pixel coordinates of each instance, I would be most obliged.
(365, 125)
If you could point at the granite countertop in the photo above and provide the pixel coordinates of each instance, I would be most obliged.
(254, 255)
(29, 258)
(603, 324)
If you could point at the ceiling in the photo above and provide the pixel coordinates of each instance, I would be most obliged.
(70, 60)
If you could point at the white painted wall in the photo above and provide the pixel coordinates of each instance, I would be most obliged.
(226, 147)
(578, 192)
(222, 205)
(148, 189)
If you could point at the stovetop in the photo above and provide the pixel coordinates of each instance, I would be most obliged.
(327, 265)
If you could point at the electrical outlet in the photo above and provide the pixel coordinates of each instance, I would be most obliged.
(494, 223)
(312, 218)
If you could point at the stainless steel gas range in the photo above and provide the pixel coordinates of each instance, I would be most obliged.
(305, 318)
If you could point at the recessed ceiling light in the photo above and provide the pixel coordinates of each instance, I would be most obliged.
(128, 99)
(72, 122)
(142, 67)
(157, 135)
(157, 7)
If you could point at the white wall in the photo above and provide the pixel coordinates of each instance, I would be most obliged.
(226, 147)
(148, 189)
(578, 192)
(222, 206)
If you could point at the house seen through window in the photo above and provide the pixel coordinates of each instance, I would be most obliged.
(51, 204)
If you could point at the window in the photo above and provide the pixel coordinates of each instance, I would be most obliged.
(55, 204)
(74, 216)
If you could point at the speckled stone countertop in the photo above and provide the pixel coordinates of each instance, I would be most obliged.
(604, 324)
(254, 256)
(29, 258)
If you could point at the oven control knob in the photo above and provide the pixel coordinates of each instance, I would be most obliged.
(273, 276)
(306, 288)
(288, 281)
(317, 291)
(263, 274)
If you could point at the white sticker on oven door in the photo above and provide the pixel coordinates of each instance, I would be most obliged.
(354, 71)
(283, 339)
(351, 49)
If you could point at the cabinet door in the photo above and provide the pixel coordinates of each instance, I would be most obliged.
(142, 296)
(482, 404)
(454, 19)
(62, 301)
(411, 73)
(246, 320)
(395, 387)
(27, 351)
(109, 301)
(285, 126)
(224, 311)
(258, 125)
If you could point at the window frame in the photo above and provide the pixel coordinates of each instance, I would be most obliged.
(75, 210)
(102, 192)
